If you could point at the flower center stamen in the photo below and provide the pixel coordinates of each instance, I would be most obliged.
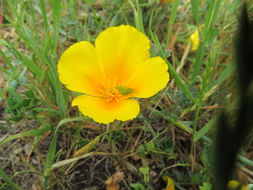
(116, 93)
(113, 95)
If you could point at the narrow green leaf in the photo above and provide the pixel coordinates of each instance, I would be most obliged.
(210, 17)
(172, 19)
(52, 149)
(245, 160)
(68, 161)
(172, 71)
(195, 10)
(23, 58)
(178, 123)
(33, 133)
(201, 133)
(9, 181)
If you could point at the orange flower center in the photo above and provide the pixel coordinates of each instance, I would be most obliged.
(112, 95)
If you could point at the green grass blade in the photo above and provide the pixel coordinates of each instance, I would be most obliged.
(172, 71)
(31, 133)
(172, 19)
(60, 94)
(51, 156)
(245, 160)
(210, 17)
(137, 15)
(9, 181)
(56, 8)
(44, 15)
(204, 130)
(195, 10)
(178, 123)
(7, 61)
(24, 59)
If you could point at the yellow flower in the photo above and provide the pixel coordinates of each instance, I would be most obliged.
(195, 41)
(234, 185)
(170, 183)
(112, 73)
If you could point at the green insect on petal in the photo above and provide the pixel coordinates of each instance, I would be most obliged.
(124, 90)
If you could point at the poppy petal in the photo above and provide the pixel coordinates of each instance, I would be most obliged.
(79, 70)
(120, 50)
(151, 77)
(105, 112)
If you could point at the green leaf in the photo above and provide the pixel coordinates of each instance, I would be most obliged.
(206, 186)
(30, 94)
(145, 172)
(137, 186)
(144, 150)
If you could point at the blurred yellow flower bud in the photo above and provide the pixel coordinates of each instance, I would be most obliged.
(170, 183)
(234, 185)
(195, 41)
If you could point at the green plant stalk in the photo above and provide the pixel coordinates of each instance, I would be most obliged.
(202, 91)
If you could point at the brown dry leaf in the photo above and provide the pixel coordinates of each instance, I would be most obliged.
(112, 183)
(135, 156)
(115, 178)
(242, 177)
(113, 187)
